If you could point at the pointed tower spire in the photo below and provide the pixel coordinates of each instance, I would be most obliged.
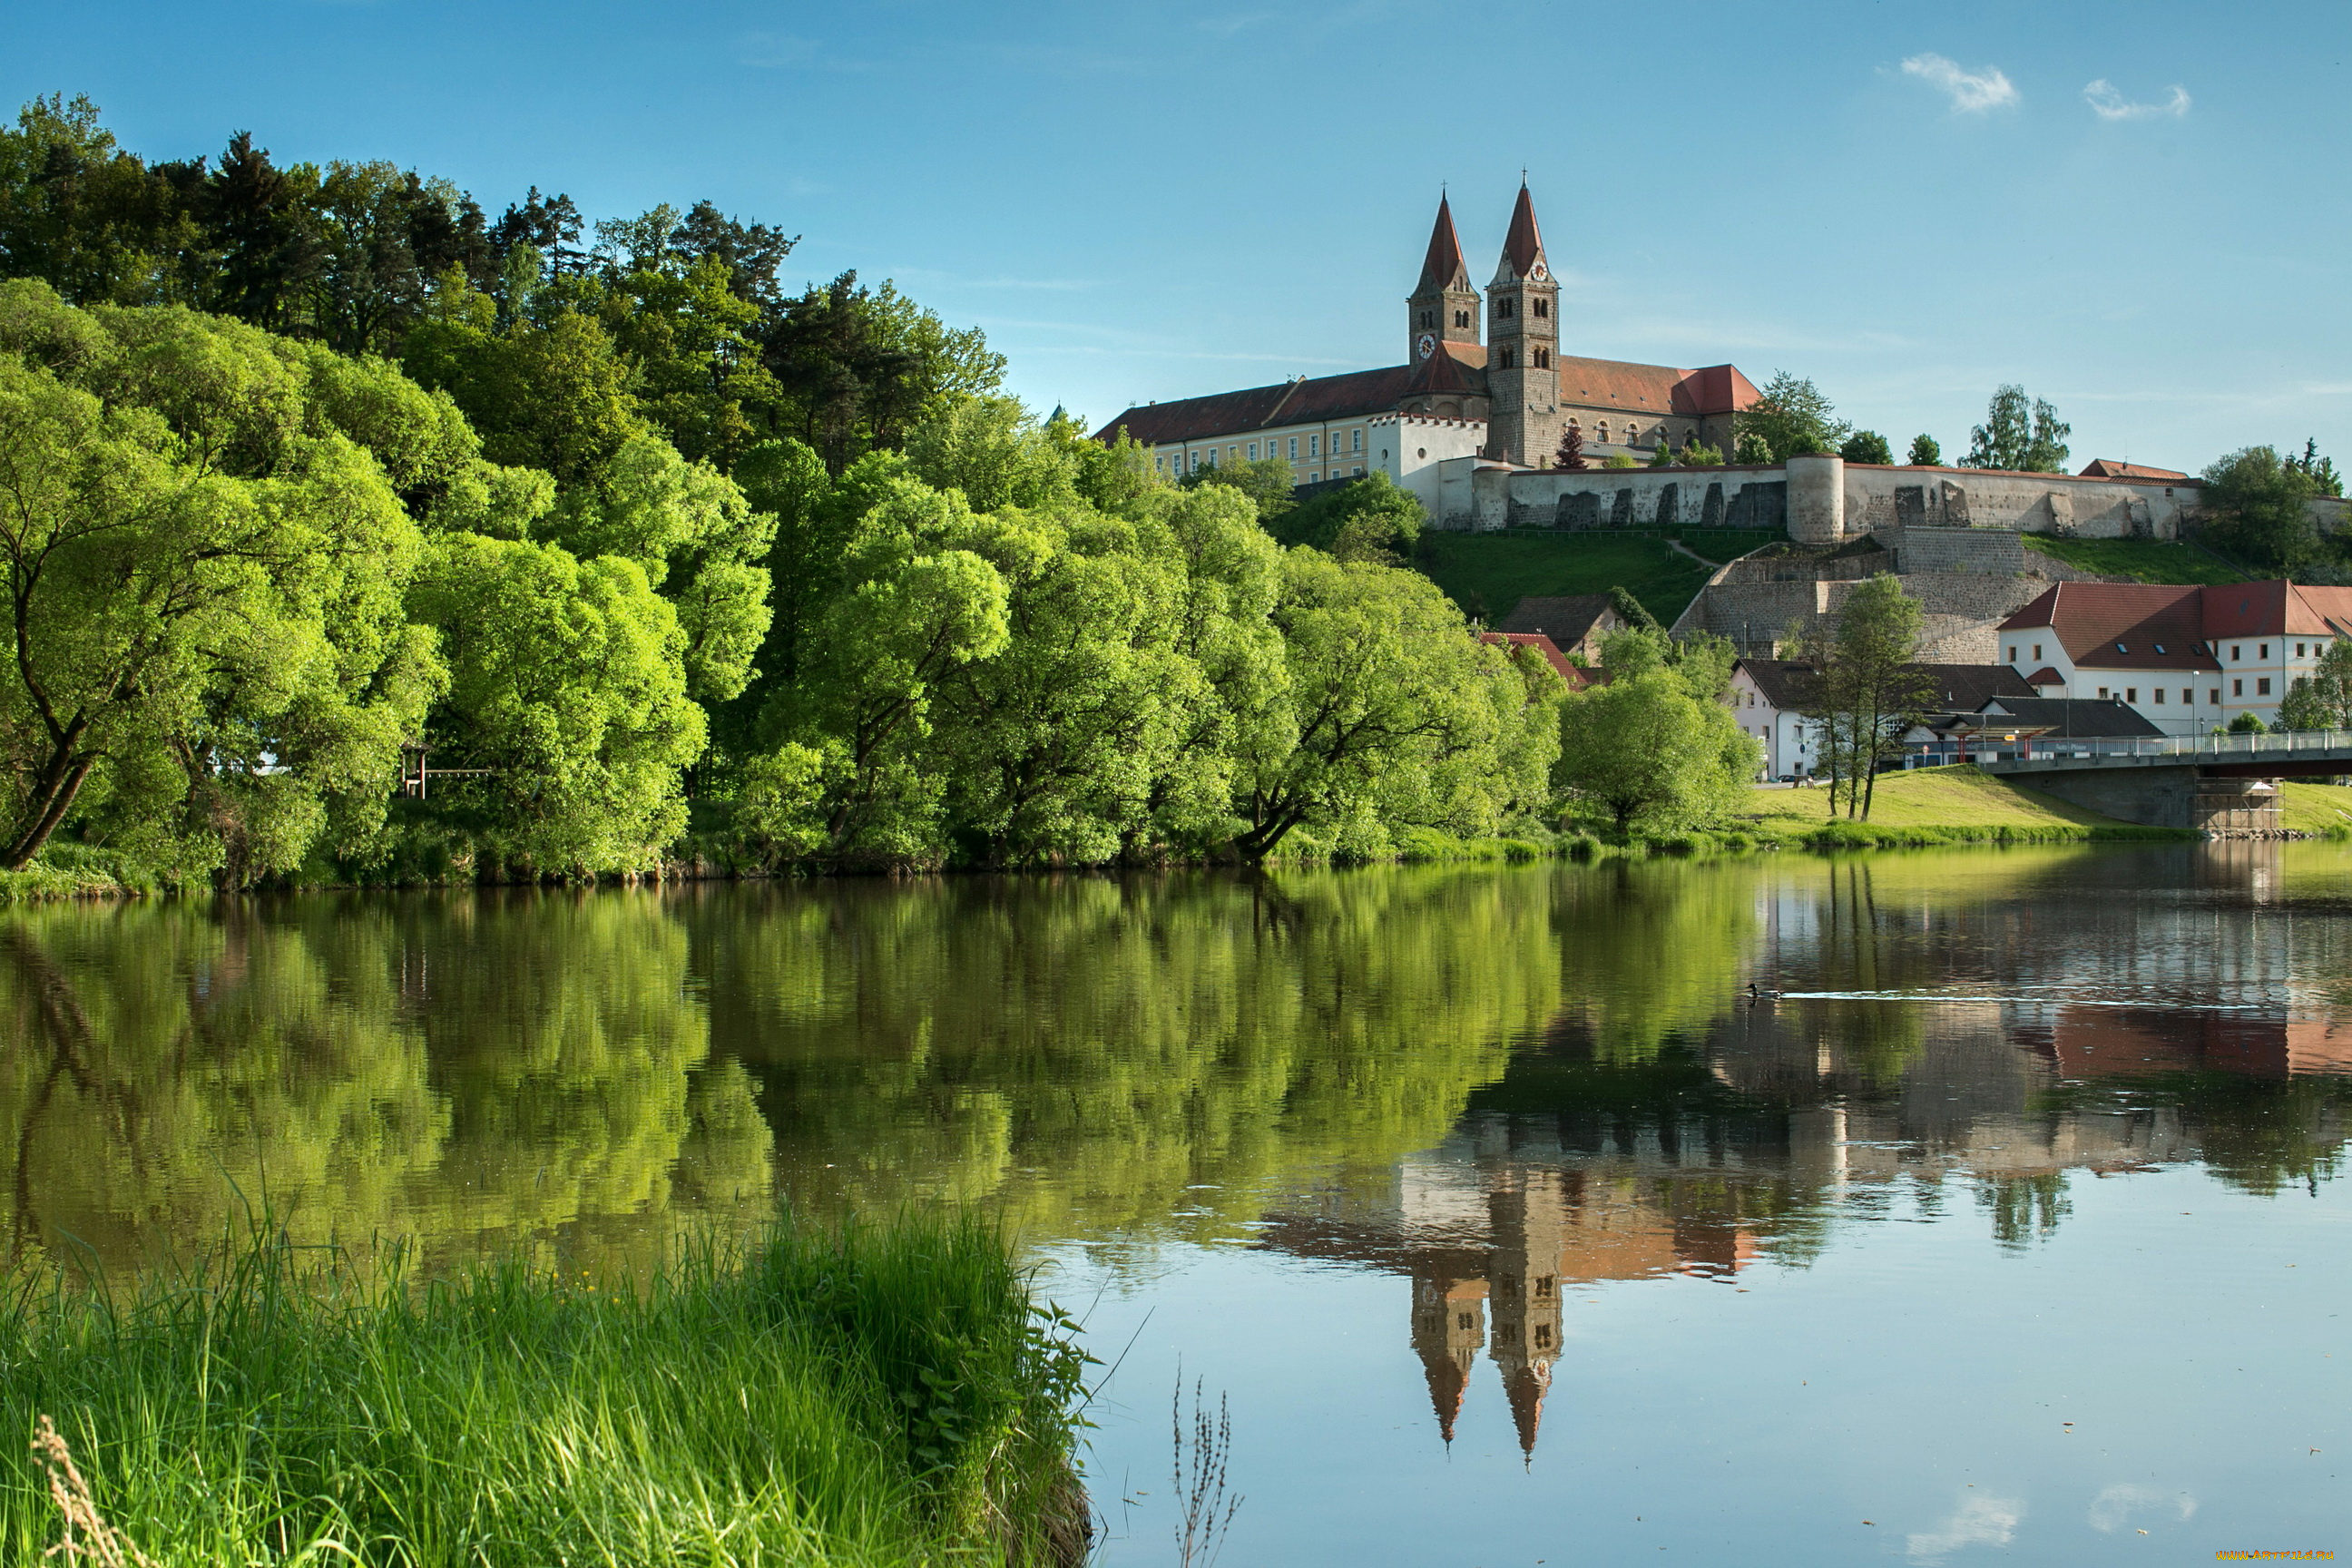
(1522, 246)
(1443, 268)
(1444, 306)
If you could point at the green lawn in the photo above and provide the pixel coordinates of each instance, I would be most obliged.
(1930, 797)
(1487, 574)
(2141, 560)
(2315, 807)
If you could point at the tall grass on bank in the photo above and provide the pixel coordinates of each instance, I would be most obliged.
(882, 1396)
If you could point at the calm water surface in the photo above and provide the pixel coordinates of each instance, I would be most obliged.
(2006, 1226)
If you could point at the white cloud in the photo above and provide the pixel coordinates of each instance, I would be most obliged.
(1972, 93)
(1981, 1520)
(2113, 1509)
(2109, 104)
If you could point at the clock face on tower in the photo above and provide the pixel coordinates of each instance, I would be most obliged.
(1428, 345)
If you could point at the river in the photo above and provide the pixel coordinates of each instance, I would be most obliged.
(2003, 1223)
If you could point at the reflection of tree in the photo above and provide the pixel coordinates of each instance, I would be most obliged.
(1652, 950)
(1089, 1051)
(375, 1065)
(2024, 1208)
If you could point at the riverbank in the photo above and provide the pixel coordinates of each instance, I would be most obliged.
(1925, 806)
(879, 1396)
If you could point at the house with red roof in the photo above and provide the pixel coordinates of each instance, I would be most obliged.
(2189, 658)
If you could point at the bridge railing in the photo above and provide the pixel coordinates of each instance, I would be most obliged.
(2220, 748)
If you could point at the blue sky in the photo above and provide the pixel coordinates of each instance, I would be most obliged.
(1908, 203)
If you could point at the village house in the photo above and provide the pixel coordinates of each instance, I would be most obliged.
(1769, 696)
(2189, 659)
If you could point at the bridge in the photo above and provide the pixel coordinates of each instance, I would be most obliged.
(2220, 784)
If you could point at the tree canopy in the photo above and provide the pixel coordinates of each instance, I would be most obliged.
(2019, 434)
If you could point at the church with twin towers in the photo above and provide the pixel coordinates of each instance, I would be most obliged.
(1485, 376)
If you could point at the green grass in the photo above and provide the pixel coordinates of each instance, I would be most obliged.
(876, 1397)
(1957, 804)
(2141, 560)
(1487, 574)
(2325, 810)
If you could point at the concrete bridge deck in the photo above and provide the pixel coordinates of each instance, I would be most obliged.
(2220, 783)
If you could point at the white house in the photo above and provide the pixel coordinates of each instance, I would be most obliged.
(2189, 659)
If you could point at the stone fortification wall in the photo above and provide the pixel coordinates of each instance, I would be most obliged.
(1967, 581)
(1818, 500)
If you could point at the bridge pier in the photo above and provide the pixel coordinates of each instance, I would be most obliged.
(2220, 804)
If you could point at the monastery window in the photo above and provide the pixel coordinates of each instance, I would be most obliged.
(1293, 448)
(2037, 651)
(2217, 697)
(1357, 472)
(1461, 318)
(2103, 694)
(2013, 653)
(1355, 441)
(2237, 652)
(2237, 689)
(1253, 451)
(1543, 359)
(1313, 446)
(1503, 310)
(1603, 428)
(2159, 697)
(2298, 650)
(1543, 308)
(1232, 453)
(2131, 693)
(2262, 652)
(2263, 686)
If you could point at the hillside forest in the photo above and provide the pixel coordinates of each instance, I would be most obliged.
(312, 477)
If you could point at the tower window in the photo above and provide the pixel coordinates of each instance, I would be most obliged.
(1503, 308)
(1461, 318)
(1543, 308)
(1543, 359)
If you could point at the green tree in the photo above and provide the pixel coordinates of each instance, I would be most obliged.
(1372, 518)
(1866, 447)
(2323, 699)
(1697, 454)
(1650, 754)
(1789, 418)
(556, 395)
(1868, 692)
(1926, 452)
(2256, 505)
(915, 607)
(570, 687)
(1266, 480)
(2324, 480)
(2248, 724)
(2019, 436)
(1391, 717)
(861, 367)
(203, 582)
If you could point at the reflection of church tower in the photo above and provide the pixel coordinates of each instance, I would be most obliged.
(1529, 1217)
(1448, 1327)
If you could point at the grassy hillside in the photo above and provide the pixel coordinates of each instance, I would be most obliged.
(1487, 574)
(2315, 807)
(2141, 560)
(1935, 806)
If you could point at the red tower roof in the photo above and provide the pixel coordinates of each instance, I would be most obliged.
(1443, 265)
(1524, 241)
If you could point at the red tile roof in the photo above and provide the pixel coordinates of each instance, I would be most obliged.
(2043, 677)
(2108, 468)
(1524, 242)
(1443, 265)
(1578, 677)
(2121, 626)
(1716, 389)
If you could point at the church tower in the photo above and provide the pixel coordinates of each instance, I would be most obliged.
(1443, 308)
(1522, 343)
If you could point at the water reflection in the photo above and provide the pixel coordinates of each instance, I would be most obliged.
(1495, 1083)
